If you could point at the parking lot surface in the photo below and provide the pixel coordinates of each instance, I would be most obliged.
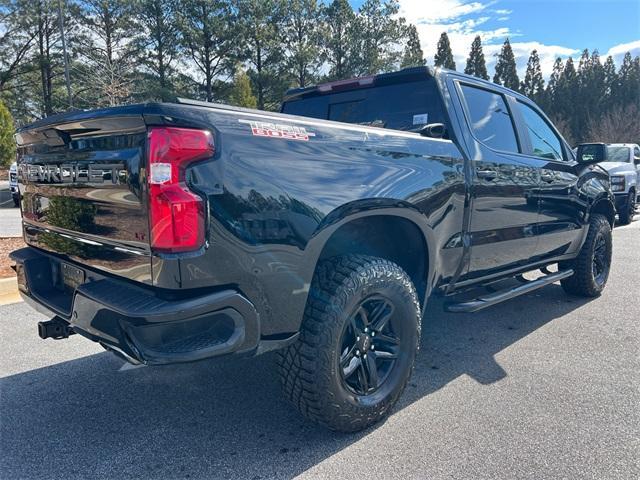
(10, 221)
(544, 386)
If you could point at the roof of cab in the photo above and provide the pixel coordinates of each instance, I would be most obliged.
(401, 76)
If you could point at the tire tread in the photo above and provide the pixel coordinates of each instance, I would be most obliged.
(303, 366)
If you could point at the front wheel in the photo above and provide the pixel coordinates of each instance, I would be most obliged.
(629, 209)
(592, 265)
(357, 345)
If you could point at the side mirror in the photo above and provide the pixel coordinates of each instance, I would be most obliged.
(591, 153)
(434, 130)
(636, 160)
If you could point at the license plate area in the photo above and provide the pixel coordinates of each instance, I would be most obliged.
(71, 276)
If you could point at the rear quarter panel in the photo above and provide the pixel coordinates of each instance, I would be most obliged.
(274, 202)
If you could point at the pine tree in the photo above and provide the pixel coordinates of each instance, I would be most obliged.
(109, 50)
(550, 96)
(7, 143)
(586, 103)
(413, 55)
(610, 78)
(626, 88)
(261, 25)
(596, 88)
(444, 55)
(338, 38)
(46, 38)
(476, 64)
(635, 79)
(377, 32)
(241, 93)
(566, 93)
(506, 71)
(209, 30)
(583, 65)
(17, 39)
(533, 84)
(301, 35)
(159, 48)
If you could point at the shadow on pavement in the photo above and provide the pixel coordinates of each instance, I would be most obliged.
(224, 418)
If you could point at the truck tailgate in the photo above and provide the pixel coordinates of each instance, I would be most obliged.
(83, 194)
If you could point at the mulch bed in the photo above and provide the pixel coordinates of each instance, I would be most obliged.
(7, 245)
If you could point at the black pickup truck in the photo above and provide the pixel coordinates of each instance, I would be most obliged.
(182, 231)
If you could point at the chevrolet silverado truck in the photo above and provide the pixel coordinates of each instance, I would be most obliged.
(176, 232)
(622, 162)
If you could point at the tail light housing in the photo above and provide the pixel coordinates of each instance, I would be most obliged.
(176, 214)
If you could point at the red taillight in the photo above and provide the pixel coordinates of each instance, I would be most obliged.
(176, 214)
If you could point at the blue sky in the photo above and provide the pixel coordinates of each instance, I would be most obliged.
(553, 27)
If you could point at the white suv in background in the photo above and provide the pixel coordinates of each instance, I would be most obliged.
(622, 162)
(623, 165)
(13, 183)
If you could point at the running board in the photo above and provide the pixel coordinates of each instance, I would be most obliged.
(500, 296)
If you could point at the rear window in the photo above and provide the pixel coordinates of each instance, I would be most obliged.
(403, 106)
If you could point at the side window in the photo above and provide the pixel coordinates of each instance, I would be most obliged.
(490, 119)
(544, 141)
(636, 156)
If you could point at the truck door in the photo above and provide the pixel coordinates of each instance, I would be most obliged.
(561, 210)
(504, 210)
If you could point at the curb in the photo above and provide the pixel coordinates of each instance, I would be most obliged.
(9, 291)
(8, 285)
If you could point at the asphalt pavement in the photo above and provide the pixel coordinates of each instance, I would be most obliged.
(10, 221)
(5, 194)
(544, 386)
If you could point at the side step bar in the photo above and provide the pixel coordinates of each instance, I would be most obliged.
(500, 296)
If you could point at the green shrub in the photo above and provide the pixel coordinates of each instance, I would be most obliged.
(7, 143)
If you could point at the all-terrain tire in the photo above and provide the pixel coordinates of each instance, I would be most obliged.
(629, 209)
(312, 376)
(591, 267)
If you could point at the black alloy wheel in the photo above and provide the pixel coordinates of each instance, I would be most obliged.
(357, 345)
(370, 346)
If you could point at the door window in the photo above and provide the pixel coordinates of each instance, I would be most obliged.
(490, 118)
(618, 154)
(544, 141)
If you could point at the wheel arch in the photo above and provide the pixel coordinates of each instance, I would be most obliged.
(391, 233)
(604, 206)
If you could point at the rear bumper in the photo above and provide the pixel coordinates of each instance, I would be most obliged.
(136, 322)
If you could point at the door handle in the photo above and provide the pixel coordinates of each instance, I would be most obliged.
(487, 174)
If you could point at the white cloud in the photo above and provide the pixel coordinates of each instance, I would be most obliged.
(439, 11)
(618, 51)
(451, 16)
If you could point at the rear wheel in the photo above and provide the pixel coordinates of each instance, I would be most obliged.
(629, 210)
(357, 345)
(591, 267)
